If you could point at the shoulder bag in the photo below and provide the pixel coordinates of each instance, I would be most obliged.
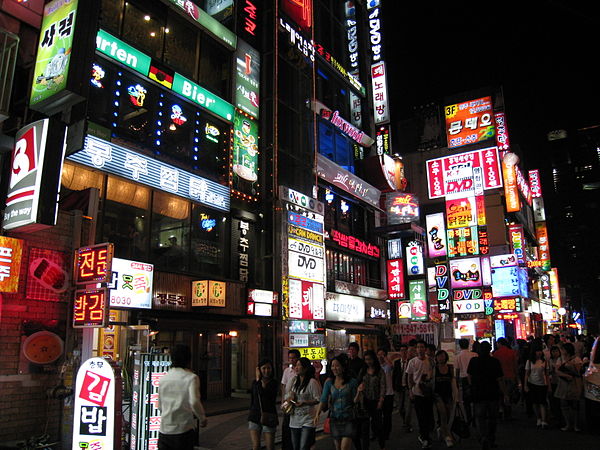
(267, 419)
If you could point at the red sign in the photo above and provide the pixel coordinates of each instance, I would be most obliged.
(300, 11)
(352, 243)
(94, 388)
(250, 18)
(90, 309)
(395, 277)
(94, 264)
(455, 174)
(484, 242)
(469, 122)
(523, 186)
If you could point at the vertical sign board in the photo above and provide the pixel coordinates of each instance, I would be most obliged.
(414, 258)
(436, 235)
(511, 191)
(541, 232)
(247, 79)
(94, 412)
(380, 94)
(245, 153)
(10, 263)
(34, 183)
(93, 264)
(395, 279)
(418, 299)
(442, 281)
(148, 369)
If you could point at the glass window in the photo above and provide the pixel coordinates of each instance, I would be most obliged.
(125, 218)
(335, 146)
(208, 233)
(170, 231)
(143, 29)
(181, 42)
(110, 17)
(175, 128)
(215, 67)
(77, 178)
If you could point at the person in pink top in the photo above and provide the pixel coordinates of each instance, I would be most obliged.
(508, 361)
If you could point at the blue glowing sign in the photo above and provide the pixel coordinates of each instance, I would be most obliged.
(143, 169)
(304, 222)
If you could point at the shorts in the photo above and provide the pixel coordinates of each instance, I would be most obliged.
(537, 394)
(261, 428)
(341, 428)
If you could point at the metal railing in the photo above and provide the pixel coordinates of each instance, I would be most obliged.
(9, 44)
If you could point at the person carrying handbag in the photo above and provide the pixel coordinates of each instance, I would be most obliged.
(262, 417)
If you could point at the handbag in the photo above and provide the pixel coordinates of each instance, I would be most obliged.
(460, 427)
(267, 419)
(327, 426)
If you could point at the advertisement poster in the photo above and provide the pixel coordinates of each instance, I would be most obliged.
(469, 122)
(401, 208)
(245, 149)
(465, 273)
(54, 50)
(436, 235)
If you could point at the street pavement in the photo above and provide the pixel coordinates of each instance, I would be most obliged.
(230, 432)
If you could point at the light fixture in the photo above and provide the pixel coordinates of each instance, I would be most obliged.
(233, 333)
(147, 18)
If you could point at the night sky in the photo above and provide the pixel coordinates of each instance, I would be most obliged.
(546, 58)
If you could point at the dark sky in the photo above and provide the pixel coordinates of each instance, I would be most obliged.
(545, 56)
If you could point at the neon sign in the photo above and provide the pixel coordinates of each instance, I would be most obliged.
(90, 309)
(10, 263)
(355, 244)
(395, 279)
(94, 264)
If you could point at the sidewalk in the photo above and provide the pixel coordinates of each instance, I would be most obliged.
(227, 427)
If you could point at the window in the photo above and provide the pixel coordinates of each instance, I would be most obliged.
(335, 146)
(208, 234)
(170, 231)
(110, 16)
(125, 218)
(215, 67)
(181, 43)
(144, 29)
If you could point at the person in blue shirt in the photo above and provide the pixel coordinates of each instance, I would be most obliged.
(340, 393)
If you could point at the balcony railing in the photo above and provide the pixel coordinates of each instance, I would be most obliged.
(9, 44)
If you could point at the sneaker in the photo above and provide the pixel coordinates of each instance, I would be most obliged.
(449, 442)
(544, 425)
(576, 429)
(567, 428)
(539, 423)
(424, 443)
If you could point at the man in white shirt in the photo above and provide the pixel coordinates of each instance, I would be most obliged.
(461, 363)
(288, 374)
(179, 403)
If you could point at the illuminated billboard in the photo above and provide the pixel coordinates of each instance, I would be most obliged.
(469, 122)
(461, 173)
(465, 273)
(436, 235)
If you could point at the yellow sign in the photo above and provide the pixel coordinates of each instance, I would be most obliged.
(216, 293)
(313, 353)
(200, 293)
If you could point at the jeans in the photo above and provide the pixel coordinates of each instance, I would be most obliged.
(286, 436)
(424, 411)
(486, 416)
(388, 409)
(303, 438)
(183, 441)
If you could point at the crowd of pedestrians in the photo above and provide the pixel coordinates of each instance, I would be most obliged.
(551, 378)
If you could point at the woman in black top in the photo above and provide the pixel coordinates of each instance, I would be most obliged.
(264, 396)
(445, 394)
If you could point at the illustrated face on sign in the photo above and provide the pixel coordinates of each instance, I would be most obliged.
(137, 95)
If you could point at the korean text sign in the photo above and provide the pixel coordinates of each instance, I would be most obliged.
(90, 308)
(51, 70)
(395, 279)
(469, 122)
(131, 285)
(93, 264)
(418, 299)
(94, 406)
(10, 263)
(456, 174)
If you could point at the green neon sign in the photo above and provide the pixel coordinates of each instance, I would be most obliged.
(118, 50)
(202, 97)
